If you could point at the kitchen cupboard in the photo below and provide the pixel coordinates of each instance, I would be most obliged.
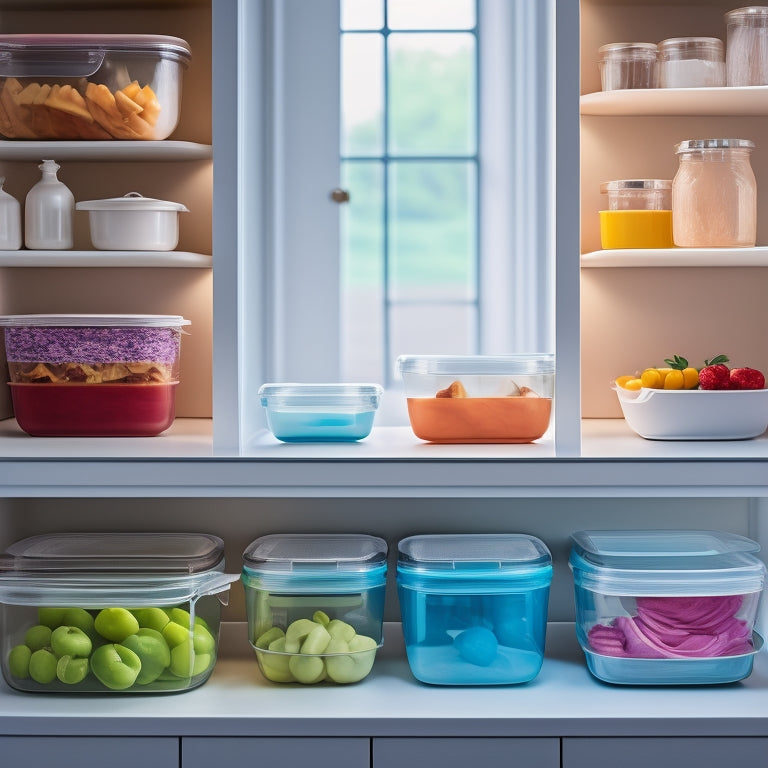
(216, 469)
(90, 752)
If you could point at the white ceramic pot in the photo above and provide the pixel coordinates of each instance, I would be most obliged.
(133, 223)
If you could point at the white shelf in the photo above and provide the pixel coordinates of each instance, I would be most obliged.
(390, 463)
(563, 700)
(677, 257)
(752, 100)
(24, 258)
(100, 151)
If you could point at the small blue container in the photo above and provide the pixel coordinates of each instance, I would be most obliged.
(667, 607)
(474, 607)
(304, 413)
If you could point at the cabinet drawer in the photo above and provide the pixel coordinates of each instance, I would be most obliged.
(89, 751)
(459, 753)
(663, 752)
(202, 752)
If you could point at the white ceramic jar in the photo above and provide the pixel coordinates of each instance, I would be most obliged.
(691, 62)
(10, 220)
(714, 194)
(49, 210)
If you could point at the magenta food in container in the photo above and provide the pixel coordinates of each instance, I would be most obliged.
(91, 87)
(93, 375)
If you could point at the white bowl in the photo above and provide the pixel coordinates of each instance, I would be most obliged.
(133, 223)
(695, 414)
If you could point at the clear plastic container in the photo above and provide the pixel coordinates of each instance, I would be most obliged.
(714, 194)
(477, 398)
(667, 607)
(639, 214)
(91, 87)
(638, 194)
(315, 605)
(746, 54)
(691, 62)
(93, 375)
(628, 65)
(474, 607)
(300, 413)
(86, 613)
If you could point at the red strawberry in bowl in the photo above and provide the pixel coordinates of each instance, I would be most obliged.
(715, 374)
(747, 378)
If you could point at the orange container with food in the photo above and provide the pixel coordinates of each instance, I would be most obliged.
(477, 398)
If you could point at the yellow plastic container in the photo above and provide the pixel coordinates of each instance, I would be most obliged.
(636, 229)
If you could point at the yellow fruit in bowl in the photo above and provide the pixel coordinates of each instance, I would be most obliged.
(651, 378)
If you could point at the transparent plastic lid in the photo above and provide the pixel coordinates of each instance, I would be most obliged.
(452, 365)
(666, 562)
(89, 321)
(132, 201)
(502, 552)
(52, 55)
(695, 145)
(634, 185)
(628, 51)
(708, 48)
(753, 15)
(98, 569)
(321, 395)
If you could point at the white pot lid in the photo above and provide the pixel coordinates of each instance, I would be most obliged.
(132, 201)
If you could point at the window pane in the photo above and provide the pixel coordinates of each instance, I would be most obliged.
(362, 14)
(433, 329)
(431, 14)
(432, 94)
(362, 94)
(433, 226)
(362, 272)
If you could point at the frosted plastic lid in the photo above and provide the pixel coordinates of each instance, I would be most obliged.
(685, 47)
(55, 55)
(502, 552)
(628, 51)
(324, 395)
(754, 14)
(666, 562)
(620, 185)
(132, 201)
(298, 551)
(693, 145)
(477, 364)
(89, 321)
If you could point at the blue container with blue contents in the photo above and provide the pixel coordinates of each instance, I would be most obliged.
(474, 607)
(303, 413)
(667, 607)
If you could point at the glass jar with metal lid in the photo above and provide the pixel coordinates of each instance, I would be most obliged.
(714, 194)
(638, 215)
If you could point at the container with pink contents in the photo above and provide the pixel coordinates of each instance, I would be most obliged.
(667, 607)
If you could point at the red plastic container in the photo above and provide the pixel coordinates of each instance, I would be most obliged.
(93, 375)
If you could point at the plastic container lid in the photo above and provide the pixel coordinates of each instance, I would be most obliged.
(634, 185)
(337, 396)
(98, 569)
(479, 365)
(666, 563)
(628, 51)
(89, 321)
(52, 55)
(693, 145)
(753, 15)
(488, 562)
(315, 563)
(709, 48)
(132, 201)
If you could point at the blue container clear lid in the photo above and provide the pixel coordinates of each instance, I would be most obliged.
(475, 561)
(346, 397)
(313, 562)
(632, 562)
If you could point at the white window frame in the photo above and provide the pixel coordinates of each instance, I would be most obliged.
(302, 339)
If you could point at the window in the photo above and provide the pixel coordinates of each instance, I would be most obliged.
(445, 245)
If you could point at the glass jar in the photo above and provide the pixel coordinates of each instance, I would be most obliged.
(628, 65)
(691, 62)
(746, 57)
(714, 194)
(639, 214)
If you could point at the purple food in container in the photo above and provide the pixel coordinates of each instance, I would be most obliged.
(111, 375)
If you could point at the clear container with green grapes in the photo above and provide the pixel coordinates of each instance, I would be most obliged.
(315, 605)
(111, 612)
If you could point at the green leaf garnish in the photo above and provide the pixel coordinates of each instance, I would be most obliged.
(677, 363)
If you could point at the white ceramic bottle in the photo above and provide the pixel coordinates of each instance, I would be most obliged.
(49, 212)
(10, 220)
